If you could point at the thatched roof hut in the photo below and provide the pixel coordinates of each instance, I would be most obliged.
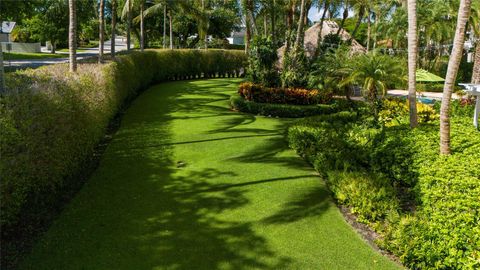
(311, 39)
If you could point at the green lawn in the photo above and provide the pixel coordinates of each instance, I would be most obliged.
(28, 56)
(188, 184)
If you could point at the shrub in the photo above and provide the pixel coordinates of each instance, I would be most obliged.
(261, 62)
(283, 110)
(51, 121)
(424, 205)
(261, 94)
(395, 112)
(295, 68)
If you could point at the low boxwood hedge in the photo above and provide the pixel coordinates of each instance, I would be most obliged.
(285, 110)
(51, 120)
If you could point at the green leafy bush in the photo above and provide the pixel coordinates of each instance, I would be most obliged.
(51, 121)
(261, 62)
(425, 206)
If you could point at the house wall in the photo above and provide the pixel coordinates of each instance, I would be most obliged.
(22, 47)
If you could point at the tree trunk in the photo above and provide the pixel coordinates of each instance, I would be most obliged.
(361, 13)
(164, 26)
(114, 27)
(2, 73)
(300, 33)
(476, 64)
(265, 24)
(272, 20)
(142, 31)
(129, 24)
(412, 61)
(369, 30)
(377, 17)
(452, 70)
(54, 46)
(171, 29)
(101, 37)
(206, 30)
(72, 36)
(345, 16)
(319, 37)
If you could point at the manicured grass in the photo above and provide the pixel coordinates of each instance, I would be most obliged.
(27, 56)
(188, 184)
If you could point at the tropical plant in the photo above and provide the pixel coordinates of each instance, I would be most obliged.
(374, 72)
(261, 62)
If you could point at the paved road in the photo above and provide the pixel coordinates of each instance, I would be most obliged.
(120, 45)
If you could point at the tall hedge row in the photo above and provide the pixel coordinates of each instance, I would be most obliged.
(51, 120)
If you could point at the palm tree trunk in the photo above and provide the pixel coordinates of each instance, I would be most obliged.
(171, 29)
(300, 33)
(369, 29)
(142, 31)
(2, 73)
(129, 24)
(272, 20)
(452, 70)
(72, 35)
(319, 37)
(164, 26)
(206, 30)
(345, 16)
(476, 65)
(114, 27)
(101, 37)
(361, 13)
(412, 61)
(265, 25)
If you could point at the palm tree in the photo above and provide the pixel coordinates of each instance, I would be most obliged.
(72, 35)
(101, 37)
(127, 13)
(475, 25)
(345, 16)
(300, 32)
(372, 71)
(114, 27)
(2, 73)
(412, 61)
(452, 70)
(142, 30)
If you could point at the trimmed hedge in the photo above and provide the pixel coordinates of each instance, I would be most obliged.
(51, 121)
(285, 110)
(425, 206)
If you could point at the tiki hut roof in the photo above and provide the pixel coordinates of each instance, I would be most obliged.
(311, 39)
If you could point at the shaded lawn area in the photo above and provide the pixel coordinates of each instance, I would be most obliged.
(188, 184)
(28, 56)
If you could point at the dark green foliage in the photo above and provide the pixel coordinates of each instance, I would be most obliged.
(261, 62)
(283, 110)
(51, 121)
(295, 68)
(425, 206)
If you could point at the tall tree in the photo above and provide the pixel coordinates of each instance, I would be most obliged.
(142, 30)
(114, 27)
(164, 26)
(475, 26)
(412, 61)
(344, 18)
(452, 70)
(476, 64)
(72, 35)
(2, 73)
(170, 25)
(127, 14)
(101, 33)
(300, 32)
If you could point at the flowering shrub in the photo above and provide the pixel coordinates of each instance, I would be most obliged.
(295, 96)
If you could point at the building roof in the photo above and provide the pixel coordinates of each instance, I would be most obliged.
(7, 27)
(311, 38)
